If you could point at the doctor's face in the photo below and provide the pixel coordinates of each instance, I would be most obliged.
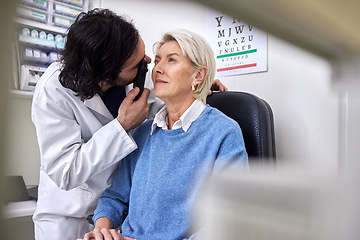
(130, 69)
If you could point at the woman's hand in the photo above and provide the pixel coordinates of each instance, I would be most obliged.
(104, 231)
(105, 234)
(217, 86)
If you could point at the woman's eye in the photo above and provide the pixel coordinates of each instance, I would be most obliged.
(156, 62)
(171, 60)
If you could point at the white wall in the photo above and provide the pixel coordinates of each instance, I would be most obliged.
(22, 155)
(297, 85)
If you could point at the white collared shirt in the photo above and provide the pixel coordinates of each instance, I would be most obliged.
(191, 114)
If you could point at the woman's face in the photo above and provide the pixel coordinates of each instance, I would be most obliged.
(172, 74)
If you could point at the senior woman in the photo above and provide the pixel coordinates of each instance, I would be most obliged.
(154, 191)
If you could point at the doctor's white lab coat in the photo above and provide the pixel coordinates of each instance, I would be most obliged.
(80, 146)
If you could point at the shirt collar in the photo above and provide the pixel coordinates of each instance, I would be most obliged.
(184, 122)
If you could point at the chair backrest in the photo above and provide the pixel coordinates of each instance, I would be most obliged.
(256, 121)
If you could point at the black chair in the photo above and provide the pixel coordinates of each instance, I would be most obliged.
(255, 118)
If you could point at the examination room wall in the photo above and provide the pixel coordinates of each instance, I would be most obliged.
(297, 86)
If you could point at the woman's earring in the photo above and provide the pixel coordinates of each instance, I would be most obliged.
(193, 87)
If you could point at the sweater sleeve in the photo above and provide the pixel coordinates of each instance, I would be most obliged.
(114, 202)
(232, 153)
(228, 157)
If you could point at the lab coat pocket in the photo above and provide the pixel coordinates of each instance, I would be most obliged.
(54, 200)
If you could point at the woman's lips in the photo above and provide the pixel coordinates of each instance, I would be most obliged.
(160, 81)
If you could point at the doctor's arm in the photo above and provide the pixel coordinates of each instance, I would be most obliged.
(70, 153)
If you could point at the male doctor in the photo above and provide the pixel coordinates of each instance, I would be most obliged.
(83, 109)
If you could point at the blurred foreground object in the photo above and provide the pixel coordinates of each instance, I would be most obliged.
(329, 29)
(290, 203)
(283, 203)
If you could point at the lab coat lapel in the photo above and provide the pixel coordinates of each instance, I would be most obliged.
(96, 104)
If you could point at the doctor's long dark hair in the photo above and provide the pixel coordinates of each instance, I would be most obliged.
(98, 45)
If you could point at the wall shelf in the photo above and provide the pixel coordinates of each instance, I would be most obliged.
(40, 31)
(40, 25)
(41, 42)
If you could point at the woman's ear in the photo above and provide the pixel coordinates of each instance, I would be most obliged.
(201, 73)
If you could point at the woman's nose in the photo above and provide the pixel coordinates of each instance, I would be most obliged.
(157, 68)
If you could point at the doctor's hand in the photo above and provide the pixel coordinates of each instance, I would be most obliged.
(217, 86)
(132, 113)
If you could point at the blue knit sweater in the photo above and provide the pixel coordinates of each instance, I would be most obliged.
(154, 190)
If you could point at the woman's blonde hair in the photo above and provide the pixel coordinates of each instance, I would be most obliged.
(200, 54)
